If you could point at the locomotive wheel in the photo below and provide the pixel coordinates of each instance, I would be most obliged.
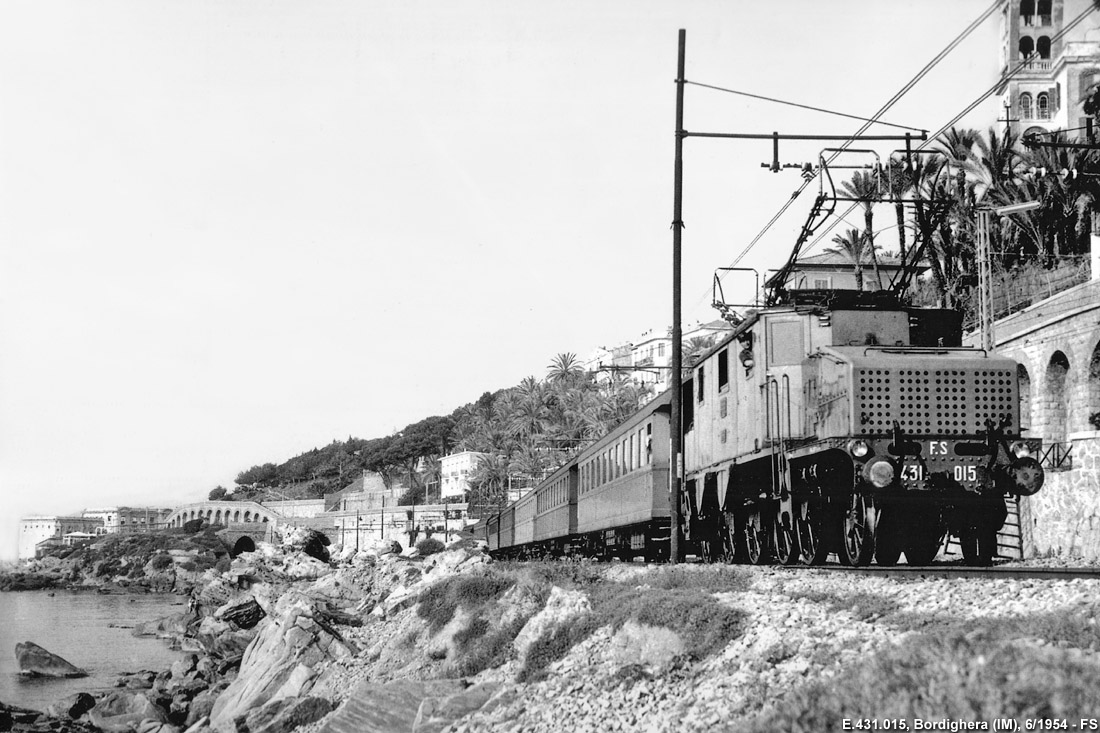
(755, 534)
(857, 531)
(808, 526)
(733, 540)
(888, 541)
(786, 541)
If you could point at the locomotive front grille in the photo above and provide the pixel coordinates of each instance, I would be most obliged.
(933, 401)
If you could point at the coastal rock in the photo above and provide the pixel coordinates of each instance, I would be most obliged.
(282, 661)
(123, 712)
(436, 714)
(388, 707)
(36, 661)
(308, 541)
(244, 614)
(301, 566)
(222, 640)
(169, 627)
(203, 703)
(378, 548)
(72, 707)
(283, 716)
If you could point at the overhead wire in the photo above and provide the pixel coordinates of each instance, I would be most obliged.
(967, 110)
(886, 107)
(802, 106)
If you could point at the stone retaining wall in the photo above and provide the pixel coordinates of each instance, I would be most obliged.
(1064, 518)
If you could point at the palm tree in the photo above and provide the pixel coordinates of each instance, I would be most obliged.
(864, 187)
(694, 347)
(489, 482)
(564, 368)
(853, 245)
(897, 183)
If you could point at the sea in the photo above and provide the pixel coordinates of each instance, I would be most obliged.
(90, 630)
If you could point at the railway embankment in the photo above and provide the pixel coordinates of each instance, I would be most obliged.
(374, 641)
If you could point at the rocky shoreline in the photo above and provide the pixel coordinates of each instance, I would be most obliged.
(282, 639)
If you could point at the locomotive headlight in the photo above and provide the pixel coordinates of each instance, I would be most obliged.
(1020, 449)
(880, 472)
(859, 448)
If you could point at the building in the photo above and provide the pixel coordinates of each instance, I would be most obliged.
(1058, 73)
(455, 470)
(37, 530)
(128, 518)
(648, 360)
(836, 271)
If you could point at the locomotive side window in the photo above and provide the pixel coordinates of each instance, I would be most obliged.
(723, 370)
(785, 345)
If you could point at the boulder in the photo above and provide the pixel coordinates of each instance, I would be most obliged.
(243, 613)
(309, 541)
(378, 548)
(169, 627)
(383, 708)
(302, 566)
(222, 640)
(72, 707)
(123, 712)
(283, 716)
(37, 662)
(436, 714)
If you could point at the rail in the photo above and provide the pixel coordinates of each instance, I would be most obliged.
(1057, 456)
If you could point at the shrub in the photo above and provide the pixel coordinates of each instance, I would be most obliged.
(161, 561)
(223, 564)
(481, 647)
(429, 546)
(708, 578)
(438, 602)
(554, 644)
(704, 624)
(975, 674)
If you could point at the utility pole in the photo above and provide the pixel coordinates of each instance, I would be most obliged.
(675, 464)
(985, 283)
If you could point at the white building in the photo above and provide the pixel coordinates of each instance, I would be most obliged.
(1059, 71)
(128, 518)
(455, 470)
(36, 529)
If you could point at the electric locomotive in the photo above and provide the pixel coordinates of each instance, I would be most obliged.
(843, 421)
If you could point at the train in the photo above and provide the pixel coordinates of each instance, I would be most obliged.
(838, 423)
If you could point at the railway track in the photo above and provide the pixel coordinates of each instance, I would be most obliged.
(1006, 572)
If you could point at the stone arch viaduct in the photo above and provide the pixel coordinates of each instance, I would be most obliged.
(222, 512)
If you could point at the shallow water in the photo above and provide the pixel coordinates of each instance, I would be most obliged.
(85, 628)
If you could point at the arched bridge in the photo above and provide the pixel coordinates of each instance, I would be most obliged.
(222, 512)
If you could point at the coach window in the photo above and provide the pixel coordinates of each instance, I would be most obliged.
(723, 370)
(700, 383)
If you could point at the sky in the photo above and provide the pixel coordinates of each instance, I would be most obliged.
(233, 231)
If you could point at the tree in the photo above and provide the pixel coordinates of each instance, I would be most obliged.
(852, 245)
(864, 187)
(218, 493)
(564, 368)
